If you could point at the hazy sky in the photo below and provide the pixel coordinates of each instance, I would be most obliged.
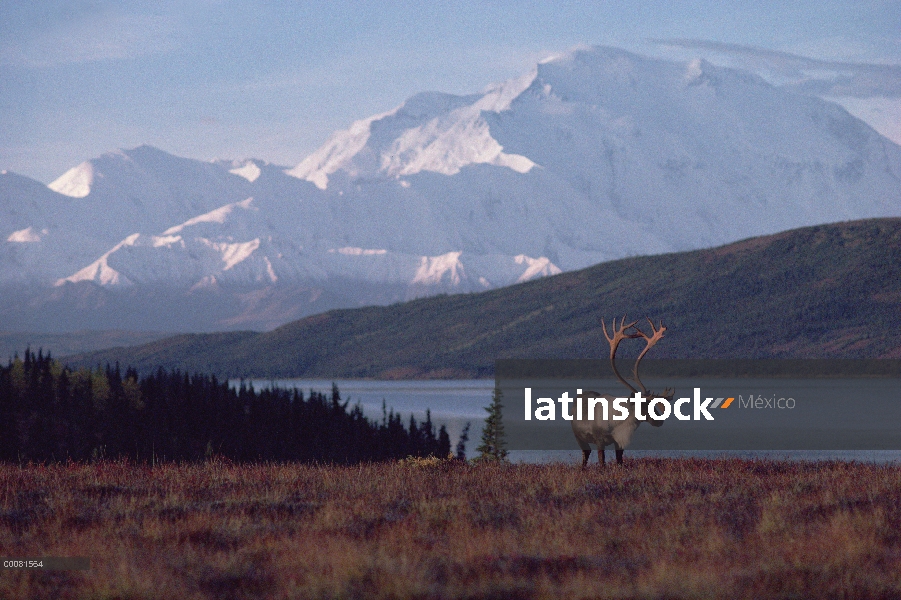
(222, 79)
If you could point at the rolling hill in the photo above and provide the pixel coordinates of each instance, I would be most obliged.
(829, 291)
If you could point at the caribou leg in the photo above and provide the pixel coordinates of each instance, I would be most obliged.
(602, 459)
(585, 455)
(619, 455)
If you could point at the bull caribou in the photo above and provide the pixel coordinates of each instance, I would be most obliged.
(603, 431)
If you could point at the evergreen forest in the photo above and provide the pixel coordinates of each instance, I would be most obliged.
(51, 413)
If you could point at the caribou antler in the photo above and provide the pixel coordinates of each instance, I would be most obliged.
(658, 333)
(619, 334)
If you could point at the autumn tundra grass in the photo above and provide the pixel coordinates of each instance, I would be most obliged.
(446, 529)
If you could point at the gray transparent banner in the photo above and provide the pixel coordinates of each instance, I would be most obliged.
(777, 405)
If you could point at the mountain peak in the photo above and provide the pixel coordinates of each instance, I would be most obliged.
(431, 131)
(10, 180)
(79, 181)
(76, 182)
(427, 105)
(145, 151)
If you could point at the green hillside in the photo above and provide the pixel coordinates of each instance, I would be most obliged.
(826, 291)
(61, 344)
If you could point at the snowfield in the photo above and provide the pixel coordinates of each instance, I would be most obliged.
(594, 155)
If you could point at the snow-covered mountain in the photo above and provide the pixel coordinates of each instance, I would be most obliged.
(594, 155)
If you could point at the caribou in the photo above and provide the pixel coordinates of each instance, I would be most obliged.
(602, 430)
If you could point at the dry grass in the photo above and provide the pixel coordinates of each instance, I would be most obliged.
(653, 528)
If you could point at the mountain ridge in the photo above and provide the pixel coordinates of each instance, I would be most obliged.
(593, 155)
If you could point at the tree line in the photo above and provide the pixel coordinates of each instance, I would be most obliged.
(51, 413)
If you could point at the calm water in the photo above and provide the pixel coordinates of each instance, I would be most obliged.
(454, 403)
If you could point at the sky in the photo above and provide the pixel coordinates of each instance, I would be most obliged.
(211, 79)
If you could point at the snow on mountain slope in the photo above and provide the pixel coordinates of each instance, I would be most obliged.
(249, 171)
(596, 154)
(36, 241)
(100, 272)
(223, 248)
(708, 153)
(25, 203)
(600, 154)
(95, 205)
(27, 235)
(76, 182)
(145, 190)
(429, 132)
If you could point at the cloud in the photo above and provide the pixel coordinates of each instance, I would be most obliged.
(97, 37)
(808, 75)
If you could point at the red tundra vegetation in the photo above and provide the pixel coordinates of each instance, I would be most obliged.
(446, 529)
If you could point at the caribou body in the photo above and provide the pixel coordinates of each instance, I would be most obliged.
(602, 430)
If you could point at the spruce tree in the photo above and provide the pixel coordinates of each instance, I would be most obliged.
(461, 443)
(493, 446)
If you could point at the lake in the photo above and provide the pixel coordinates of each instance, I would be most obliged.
(454, 403)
